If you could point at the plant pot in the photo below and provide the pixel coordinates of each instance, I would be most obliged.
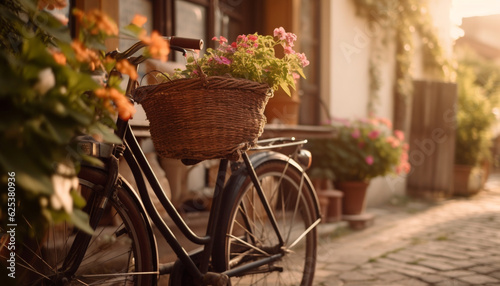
(354, 199)
(463, 183)
(331, 205)
(282, 109)
(486, 168)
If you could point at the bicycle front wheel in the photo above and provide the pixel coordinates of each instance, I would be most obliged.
(249, 236)
(119, 252)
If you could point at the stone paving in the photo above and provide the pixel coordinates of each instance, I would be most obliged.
(454, 242)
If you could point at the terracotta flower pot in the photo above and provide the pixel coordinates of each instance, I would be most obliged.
(354, 199)
(464, 183)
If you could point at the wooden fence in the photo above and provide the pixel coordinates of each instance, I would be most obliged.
(432, 140)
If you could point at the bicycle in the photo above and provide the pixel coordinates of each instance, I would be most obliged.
(261, 227)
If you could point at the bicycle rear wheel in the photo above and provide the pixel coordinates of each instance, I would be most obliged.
(119, 252)
(249, 236)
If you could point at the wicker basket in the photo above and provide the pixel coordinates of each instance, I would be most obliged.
(204, 118)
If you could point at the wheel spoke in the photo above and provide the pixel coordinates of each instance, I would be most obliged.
(119, 253)
(251, 236)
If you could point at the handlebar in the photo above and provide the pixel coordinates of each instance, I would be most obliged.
(176, 43)
(186, 43)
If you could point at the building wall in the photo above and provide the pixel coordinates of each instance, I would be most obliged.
(347, 42)
(350, 48)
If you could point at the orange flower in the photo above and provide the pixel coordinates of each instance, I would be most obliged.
(85, 55)
(125, 67)
(79, 14)
(59, 57)
(96, 21)
(124, 107)
(52, 4)
(158, 46)
(104, 23)
(139, 20)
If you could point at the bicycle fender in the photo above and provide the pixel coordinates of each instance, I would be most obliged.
(237, 177)
(130, 190)
(96, 175)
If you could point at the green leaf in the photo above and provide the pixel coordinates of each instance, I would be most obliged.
(80, 117)
(58, 130)
(81, 220)
(92, 160)
(36, 181)
(30, 176)
(78, 200)
(301, 72)
(284, 86)
(131, 30)
(79, 82)
(106, 132)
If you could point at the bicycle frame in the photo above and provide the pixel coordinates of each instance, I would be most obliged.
(139, 165)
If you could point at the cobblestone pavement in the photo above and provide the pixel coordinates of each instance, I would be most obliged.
(453, 242)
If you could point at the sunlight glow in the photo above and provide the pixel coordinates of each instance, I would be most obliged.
(470, 8)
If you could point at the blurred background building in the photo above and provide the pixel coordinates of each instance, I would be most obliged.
(355, 71)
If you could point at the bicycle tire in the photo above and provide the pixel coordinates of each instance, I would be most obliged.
(119, 251)
(246, 236)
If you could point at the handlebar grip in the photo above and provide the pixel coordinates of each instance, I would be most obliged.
(187, 43)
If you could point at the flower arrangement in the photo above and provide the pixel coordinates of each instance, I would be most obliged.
(252, 57)
(49, 96)
(362, 149)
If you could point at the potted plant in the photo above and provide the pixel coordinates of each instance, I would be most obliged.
(361, 150)
(251, 57)
(226, 90)
(473, 136)
(49, 96)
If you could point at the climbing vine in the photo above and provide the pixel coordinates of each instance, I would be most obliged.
(399, 20)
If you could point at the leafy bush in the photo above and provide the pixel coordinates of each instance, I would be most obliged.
(474, 120)
(361, 150)
(48, 97)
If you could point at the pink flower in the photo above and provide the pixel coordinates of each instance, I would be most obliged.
(406, 147)
(290, 38)
(393, 141)
(221, 40)
(373, 134)
(369, 160)
(289, 50)
(223, 60)
(404, 156)
(242, 38)
(303, 60)
(345, 122)
(399, 134)
(356, 134)
(280, 33)
(386, 122)
(406, 167)
(252, 37)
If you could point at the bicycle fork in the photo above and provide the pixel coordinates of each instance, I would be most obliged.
(82, 239)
